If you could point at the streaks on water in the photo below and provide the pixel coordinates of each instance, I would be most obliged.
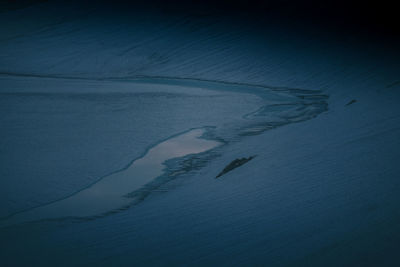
(281, 106)
(305, 105)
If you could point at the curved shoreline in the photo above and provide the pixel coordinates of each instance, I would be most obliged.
(256, 122)
(111, 192)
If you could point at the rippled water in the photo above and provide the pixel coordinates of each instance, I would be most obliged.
(68, 131)
(110, 192)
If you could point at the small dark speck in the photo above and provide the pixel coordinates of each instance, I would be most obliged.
(351, 102)
(393, 84)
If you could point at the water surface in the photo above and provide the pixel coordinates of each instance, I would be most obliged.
(110, 192)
